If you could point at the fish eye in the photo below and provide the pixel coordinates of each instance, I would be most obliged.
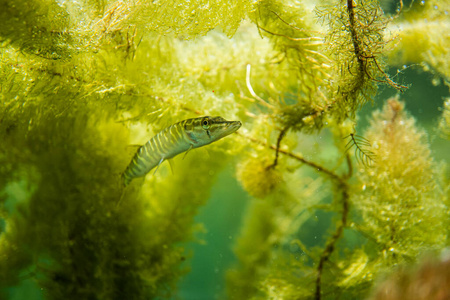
(205, 123)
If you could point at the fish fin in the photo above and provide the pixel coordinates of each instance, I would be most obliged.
(192, 146)
(120, 199)
(160, 162)
(171, 164)
(207, 153)
(125, 181)
(134, 146)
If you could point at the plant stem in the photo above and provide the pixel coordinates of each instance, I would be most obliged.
(299, 158)
(355, 41)
(277, 151)
(341, 184)
(330, 246)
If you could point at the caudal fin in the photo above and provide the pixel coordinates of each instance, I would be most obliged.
(125, 180)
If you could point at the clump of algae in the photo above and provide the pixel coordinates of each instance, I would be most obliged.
(68, 89)
(36, 27)
(403, 184)
(258, 176)
(444, 124)
(77, 91)
(429, 280)
(421, 40)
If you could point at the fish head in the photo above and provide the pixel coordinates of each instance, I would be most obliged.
(206, 130)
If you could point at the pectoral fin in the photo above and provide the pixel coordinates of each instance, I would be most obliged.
(191, 147)
(171, 164)
(160, 162)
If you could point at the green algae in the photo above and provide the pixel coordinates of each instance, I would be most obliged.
(82, 82)
(444, 124)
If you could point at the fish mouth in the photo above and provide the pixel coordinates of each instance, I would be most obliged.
(229, 127)
(233, 126)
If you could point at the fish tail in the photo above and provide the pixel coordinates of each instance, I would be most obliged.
(125, 179)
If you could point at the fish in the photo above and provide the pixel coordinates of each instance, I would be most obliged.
(175, 139)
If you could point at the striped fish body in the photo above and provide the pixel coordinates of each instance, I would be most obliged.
(165, 145)
(176, 139)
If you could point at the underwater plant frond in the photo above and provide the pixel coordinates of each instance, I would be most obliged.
(258, 177)
(298, 46)
(314, 41)
(252, 92)
(421, 40)
(444, 124)
(403, 183)
(387, 79)
(356, 43)
(362, 147)
(83, 81)
(432, 275)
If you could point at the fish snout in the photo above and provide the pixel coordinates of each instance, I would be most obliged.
(235, 125)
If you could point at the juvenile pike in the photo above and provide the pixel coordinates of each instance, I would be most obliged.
(175, 139)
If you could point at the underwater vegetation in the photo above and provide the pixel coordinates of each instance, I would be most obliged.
(334, 205)
(430, 280)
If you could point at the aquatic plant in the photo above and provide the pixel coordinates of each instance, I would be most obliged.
(82, 84)
(429, 280)
(410, 183)
(444, 124)
(420, 39)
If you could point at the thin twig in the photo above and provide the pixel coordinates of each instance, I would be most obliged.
(277, 151)
(389, 81)
(294, 27)
(291, 38)
(315, 166)
(331, 243)
(252, 92)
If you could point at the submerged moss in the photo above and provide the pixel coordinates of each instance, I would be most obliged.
(83, 83)
(399, 189)
(429, 280)
(258, 177)
(421, 39)
(36, 27)
(444, 124)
